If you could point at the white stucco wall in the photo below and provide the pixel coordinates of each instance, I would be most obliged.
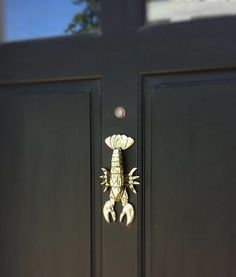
(181, 10)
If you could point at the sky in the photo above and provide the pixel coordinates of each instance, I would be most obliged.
(31, 19)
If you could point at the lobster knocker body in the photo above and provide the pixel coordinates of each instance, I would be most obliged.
(117, 182)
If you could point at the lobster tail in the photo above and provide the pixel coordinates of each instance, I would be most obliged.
(119, 141)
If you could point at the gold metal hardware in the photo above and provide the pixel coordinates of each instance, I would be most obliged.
(120, 112)
(117, 182)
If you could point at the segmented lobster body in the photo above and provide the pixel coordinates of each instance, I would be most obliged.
(115, 179)
(117, 175)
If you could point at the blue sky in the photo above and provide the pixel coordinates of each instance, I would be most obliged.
(30, 19)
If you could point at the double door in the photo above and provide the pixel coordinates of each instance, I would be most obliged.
(58, 99)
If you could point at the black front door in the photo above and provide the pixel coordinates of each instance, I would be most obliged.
(58, 97)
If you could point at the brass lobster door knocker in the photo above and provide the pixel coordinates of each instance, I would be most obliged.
(117, 182)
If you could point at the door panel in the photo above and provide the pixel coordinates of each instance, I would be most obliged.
(190, 145)
(46, 181)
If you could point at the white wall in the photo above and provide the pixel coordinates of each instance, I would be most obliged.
(181, 10)
(1, 20)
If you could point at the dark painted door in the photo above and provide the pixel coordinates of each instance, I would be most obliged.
(57, 99)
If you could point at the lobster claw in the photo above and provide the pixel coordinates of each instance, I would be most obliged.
(128, 210)
(108, 210)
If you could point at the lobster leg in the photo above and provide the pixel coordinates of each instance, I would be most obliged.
(132, 180)
(105, 178)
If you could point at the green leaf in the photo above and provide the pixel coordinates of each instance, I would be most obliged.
(87, 20)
